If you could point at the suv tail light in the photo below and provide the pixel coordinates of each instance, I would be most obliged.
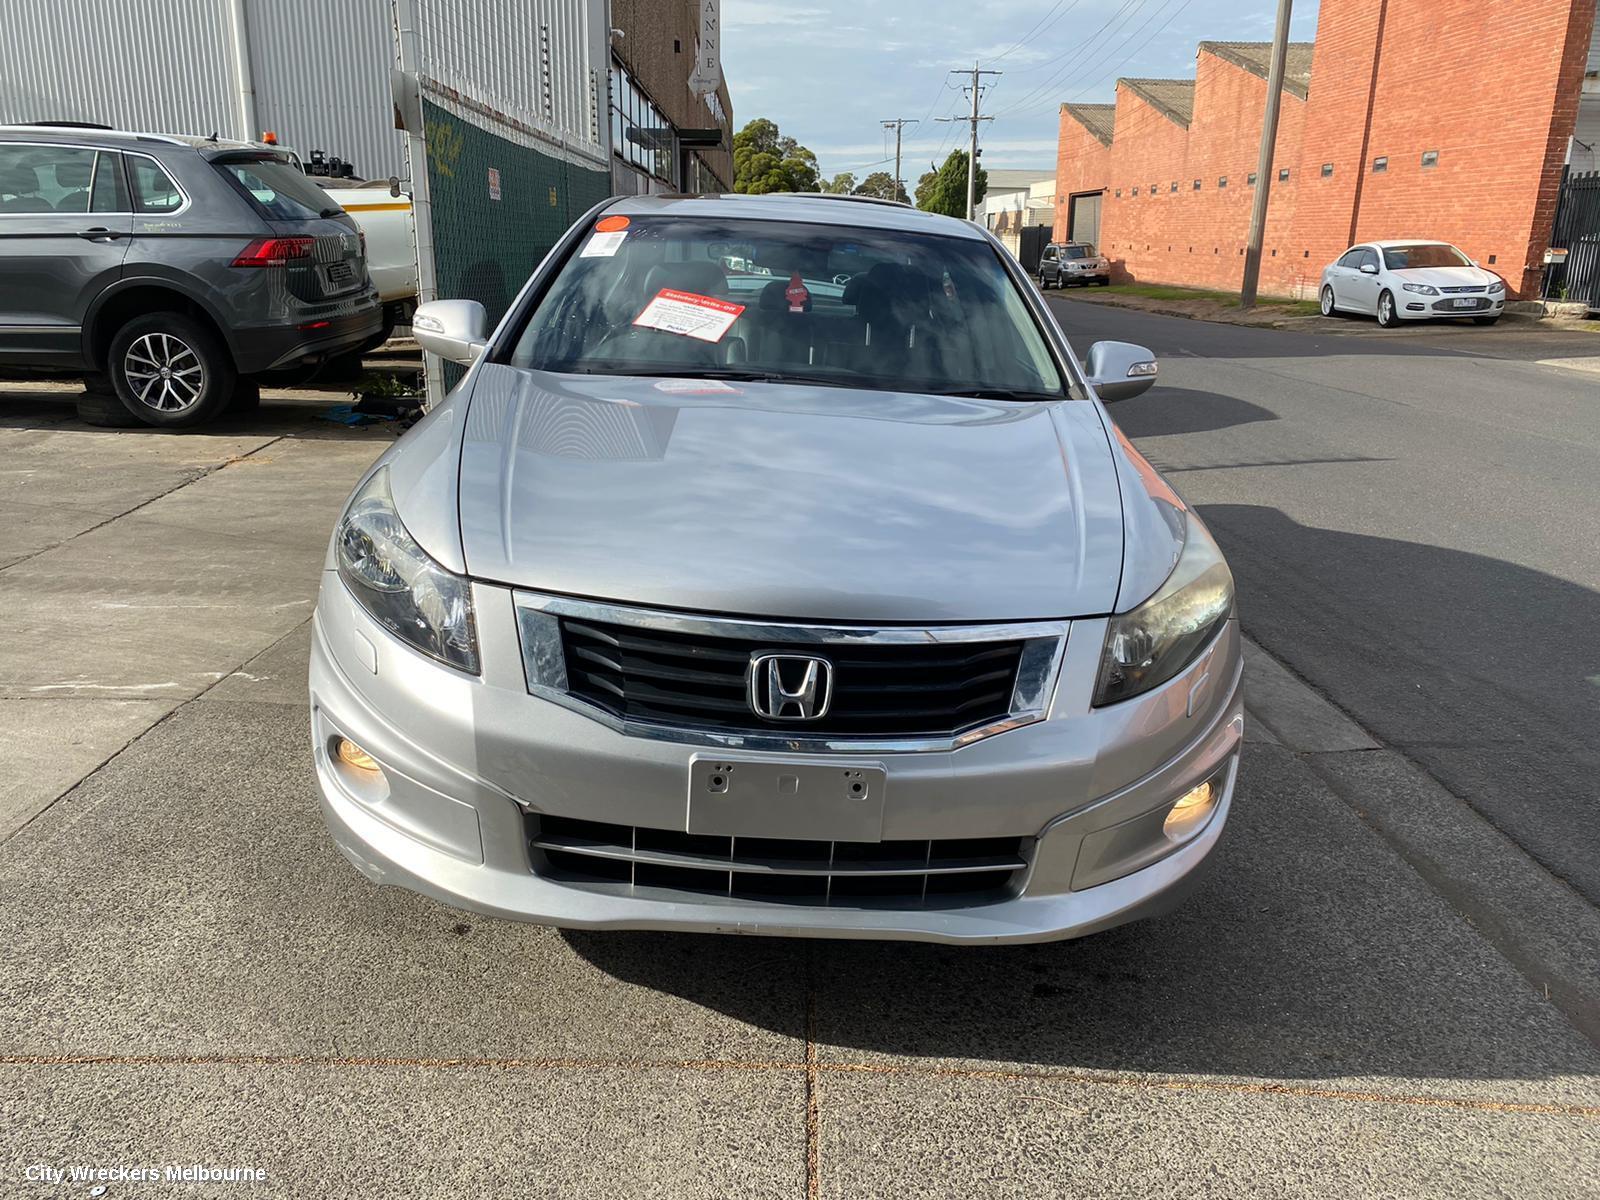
(274, 251)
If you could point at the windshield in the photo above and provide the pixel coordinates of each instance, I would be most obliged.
(851, 307)
(278, 191)
(1076, 251)
(1402, 258)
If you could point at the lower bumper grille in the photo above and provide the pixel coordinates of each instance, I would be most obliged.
(1479, 303)
(941, 873)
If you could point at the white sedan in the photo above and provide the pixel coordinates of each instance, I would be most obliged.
(1411, 281)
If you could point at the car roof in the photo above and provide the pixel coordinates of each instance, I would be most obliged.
(86, 135)
(814, 208)
(1407, 242)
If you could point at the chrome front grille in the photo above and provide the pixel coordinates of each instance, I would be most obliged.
(1453, 290)
(627, 859)
(698, 679)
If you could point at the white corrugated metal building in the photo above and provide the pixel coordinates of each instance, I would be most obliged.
(315, 72)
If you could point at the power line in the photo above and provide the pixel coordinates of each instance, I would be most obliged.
(1173, 16)
(1039, 26)
(1073, 57)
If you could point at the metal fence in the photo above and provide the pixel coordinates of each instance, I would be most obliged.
(1577, 231)
(510, 138)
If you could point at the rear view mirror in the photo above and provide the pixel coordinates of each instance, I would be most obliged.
(452, 329)
(1120, 370)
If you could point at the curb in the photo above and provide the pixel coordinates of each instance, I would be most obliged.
(1535, 920)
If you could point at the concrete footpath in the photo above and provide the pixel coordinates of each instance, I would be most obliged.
(1374, 994)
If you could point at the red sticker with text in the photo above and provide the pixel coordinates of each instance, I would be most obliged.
(689, 314)
(796, 293)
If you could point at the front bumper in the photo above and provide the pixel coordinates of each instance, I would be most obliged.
(1415, 307)
(466, 760)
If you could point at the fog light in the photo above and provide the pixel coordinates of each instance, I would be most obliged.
(1191, 811)
(353, 755)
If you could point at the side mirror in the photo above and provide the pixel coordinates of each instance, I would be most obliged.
(452, 329)
(1120, 370)
(1368, 269)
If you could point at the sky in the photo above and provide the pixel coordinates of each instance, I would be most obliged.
(829, 71)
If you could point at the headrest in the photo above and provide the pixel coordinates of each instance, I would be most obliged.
(893, 291)
(701, 278)
(18, 179)
(74, 173)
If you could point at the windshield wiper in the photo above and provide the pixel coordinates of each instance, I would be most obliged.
(987, 393)
(730, 374)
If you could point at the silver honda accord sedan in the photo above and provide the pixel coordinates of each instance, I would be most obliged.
(775, 568)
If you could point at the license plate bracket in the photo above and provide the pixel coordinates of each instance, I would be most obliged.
(839, 800)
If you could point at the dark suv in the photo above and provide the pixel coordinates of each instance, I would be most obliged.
(1065, 263)
(171, 267)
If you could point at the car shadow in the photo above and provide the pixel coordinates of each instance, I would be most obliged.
(53, 406)
(1310, 950)
(1172, 410)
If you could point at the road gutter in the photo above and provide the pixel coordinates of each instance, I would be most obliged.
(1534, 919)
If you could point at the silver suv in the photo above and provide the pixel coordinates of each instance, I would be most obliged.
(172, 267)
(776, 568)
(1065, 263)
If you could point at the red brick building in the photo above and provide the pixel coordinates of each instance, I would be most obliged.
(1444, 119)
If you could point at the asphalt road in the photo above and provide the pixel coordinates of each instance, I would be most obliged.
(1412, 519)
(194, 975)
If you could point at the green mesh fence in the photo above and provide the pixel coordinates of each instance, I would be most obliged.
(498, 207)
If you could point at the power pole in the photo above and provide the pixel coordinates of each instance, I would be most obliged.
(897, 124)
(977, 91)
(1269, 135)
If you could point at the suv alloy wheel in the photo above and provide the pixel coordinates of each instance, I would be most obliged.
(170, 370)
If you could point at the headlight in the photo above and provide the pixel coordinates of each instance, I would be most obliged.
(1151, 644)
(1498, 286)
(1421, 289)
(406, 592)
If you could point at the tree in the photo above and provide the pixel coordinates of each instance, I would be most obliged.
(841, 184)
(766, 161)
(882, 185)
(946, 191)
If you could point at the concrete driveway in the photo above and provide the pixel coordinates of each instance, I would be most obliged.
(195, 977)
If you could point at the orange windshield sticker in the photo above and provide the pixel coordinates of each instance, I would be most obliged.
(689, 314)
(610, 224)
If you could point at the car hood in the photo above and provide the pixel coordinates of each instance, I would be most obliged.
(790, 501)
(1447, 276)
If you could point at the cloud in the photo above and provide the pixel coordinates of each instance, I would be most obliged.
(743, 13)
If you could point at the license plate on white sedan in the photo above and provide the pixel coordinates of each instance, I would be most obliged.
(741, 797)
(1465, 302)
